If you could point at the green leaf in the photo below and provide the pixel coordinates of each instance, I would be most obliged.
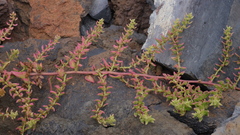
(145, 119)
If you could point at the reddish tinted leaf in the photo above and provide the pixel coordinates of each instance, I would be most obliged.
(89, 78)
(19, 74)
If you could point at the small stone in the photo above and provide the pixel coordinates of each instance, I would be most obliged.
(100, 9)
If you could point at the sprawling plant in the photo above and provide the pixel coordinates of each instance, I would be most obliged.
(181, 94)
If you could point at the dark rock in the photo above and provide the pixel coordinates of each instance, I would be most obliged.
(87, 23)
(151, 3)
(139, 37)
(216, 115)
(73, 116)
(100, 9)
(86, 4)
(22, 9)
(200, 128)
(125, 10)
(5, 10)
(106, 14)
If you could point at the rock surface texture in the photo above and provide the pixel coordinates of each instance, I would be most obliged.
(22, 9)
(137, 9)
(5, 9)
(203, 39)
(203, 47)
(50, 18)
(100, 9)
(231, 125)
(73, 116)
(43, 19)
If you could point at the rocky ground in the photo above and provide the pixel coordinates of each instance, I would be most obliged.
(73, 116)
(40, 21)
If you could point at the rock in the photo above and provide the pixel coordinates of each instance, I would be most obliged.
(231, 125)
(115, 32)
(202, 40)
(73, 116)
(216, 115)
(87, 23)
(151, 3)
(200, 128)
(22, 9)
(4, 13)
(63, 19)
(54, 18)
(86, 4)
(125, 10)
(202, 48)
(139, 37)
(26, 1)
(100, 9)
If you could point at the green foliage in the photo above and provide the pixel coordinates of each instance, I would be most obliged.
(181, 94)
(227, 48)
(186, 96)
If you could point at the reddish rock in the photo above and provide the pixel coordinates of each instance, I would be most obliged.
(50, 18)
(137, 9)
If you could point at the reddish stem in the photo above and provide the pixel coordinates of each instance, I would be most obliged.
(122, 74)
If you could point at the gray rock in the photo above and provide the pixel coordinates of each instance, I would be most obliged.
(87, 23)
(231, 125)
(73, 116)
(98, 6)
(140, 38)
(86, 4)
(235, 114)
(203, 39)
(100, 9)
